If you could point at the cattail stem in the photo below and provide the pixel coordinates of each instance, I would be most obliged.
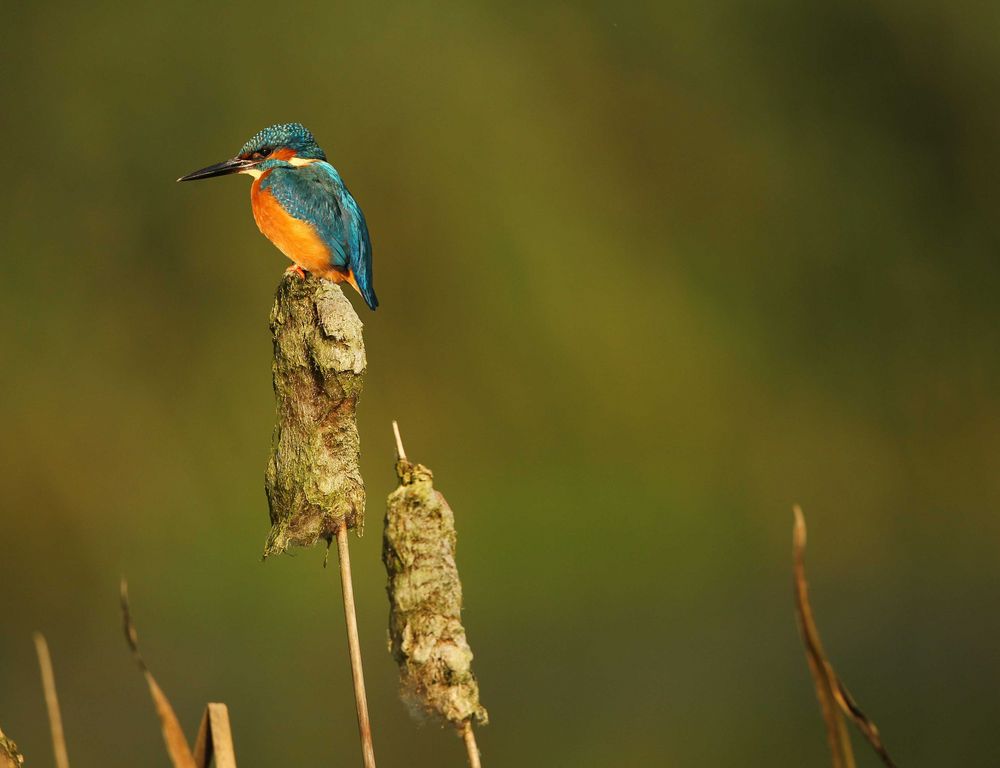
(52, 701)
(400, 453)
(470, 744)
(313, 479)
(354, 644)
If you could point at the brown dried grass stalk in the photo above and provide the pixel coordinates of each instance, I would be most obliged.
(170, 727)
(215, 739)
(834, 699)
(51, 701)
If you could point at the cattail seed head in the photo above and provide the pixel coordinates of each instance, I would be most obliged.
(313, 478)
(9, 755)
(426, 636)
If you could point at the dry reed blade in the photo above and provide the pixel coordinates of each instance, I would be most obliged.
(173, 734)
(863, 723)
(215, 739)
(834, 699)
(51, 701)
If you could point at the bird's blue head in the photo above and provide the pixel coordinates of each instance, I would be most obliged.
(281, 145)
(291, 139)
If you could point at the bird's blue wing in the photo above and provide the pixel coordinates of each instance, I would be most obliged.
(315, 193)
(359, 247)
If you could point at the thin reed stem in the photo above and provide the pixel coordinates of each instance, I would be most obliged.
(354, 644)
(400, 453)
(470, 744)
(52, 701)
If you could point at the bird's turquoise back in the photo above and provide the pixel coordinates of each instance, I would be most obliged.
(316, 194)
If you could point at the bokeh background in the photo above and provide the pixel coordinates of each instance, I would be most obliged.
(650, 274)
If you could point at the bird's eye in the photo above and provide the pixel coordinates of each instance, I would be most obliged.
(265, 152)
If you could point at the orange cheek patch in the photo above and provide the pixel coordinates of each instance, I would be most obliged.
(283, 154)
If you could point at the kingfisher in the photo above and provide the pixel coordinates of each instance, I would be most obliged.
(301, 204)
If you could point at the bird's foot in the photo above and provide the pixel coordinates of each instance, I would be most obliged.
(295, 269)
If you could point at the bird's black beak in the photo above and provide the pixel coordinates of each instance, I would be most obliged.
(224, 168)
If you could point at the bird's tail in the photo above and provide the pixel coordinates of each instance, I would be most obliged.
(365, 288)
(368, 292)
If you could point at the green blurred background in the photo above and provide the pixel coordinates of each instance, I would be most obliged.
(650, 273)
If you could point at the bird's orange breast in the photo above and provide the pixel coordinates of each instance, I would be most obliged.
(293, 237)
